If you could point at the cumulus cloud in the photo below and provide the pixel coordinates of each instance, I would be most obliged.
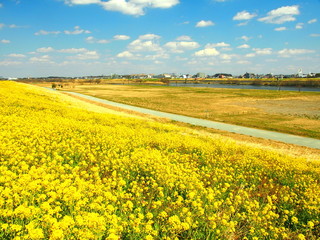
(207, 52)
(149, 36)
(180, 47)
(44, 32)
(245, 38)
(88, 55)
(9, 63)
(243, 62)
(244, 15)
(17, 55)
(184, 38)
(263, 51)
(281, 15)
(41, 59)
(290, 52)
(299, 25)
(73, 50)
(93, 40)
(81, 2)
(312, 21)
(121, 37)
(2, 25)
(220, 44)
(203, 23)
(125, 54)
(139, 45)
(123, 6)
(5, 41)
(279, 29)
(244, 46)
(315, 35)
(45, 49)
(77, 30)
(129, 7)
(249, 55)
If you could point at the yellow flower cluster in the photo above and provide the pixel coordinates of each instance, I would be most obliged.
(68, 173)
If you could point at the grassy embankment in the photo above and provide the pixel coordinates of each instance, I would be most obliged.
(283, 111)
(67, 172)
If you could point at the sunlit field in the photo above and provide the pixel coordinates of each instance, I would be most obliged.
(70, 172)
(296, 113)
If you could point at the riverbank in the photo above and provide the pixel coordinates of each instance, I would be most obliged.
(275, 82)
(296, 113)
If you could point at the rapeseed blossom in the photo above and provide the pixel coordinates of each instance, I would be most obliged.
(70, 173)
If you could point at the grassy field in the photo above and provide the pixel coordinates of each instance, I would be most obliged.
(70, 170)
(283, 111)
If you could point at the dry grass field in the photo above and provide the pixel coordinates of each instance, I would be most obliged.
(283, 111)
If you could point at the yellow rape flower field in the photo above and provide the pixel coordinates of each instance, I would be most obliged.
(70, 173)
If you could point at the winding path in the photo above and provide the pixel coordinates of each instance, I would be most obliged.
(282, 137)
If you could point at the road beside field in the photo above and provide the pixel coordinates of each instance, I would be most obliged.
(286, 138)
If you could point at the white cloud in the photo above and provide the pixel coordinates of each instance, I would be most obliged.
(73, 50)
(263, 51)
(93, 40)
(243, 24)
(41, 59)
(121, 37)
(244, 46)
(5, 41)
(281, 15)
(245, 38)
(312, 21)
(180, 47)
(203, 23)
(244, 15)
(143, 46)
(207, 52)
(289, 52)
(125, 54)
(243, 62)
(123, 7)
(9, 63)
(2, 25)
(279, 29)
(16, 55)
(1, 5)
(156, 3)
(136, 7)
(81, 2)
(15, 26)
(77, 30)
(220, 44)
(315, 35)
(157, 56)
(184, 38)
(249, 55)
(44, 32)
(149, 36)
(226, 56)
(45, 49)
(88, 55)
(299, 25)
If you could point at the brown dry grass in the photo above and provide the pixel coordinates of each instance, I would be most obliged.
(289, 112)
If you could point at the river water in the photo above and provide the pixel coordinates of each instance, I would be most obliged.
(257, 87)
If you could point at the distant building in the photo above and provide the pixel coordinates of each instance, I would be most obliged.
(249, 75)
(200, 75)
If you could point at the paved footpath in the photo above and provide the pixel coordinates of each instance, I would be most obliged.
(281, 137)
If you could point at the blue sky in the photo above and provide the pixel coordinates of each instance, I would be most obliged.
(94, 37)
